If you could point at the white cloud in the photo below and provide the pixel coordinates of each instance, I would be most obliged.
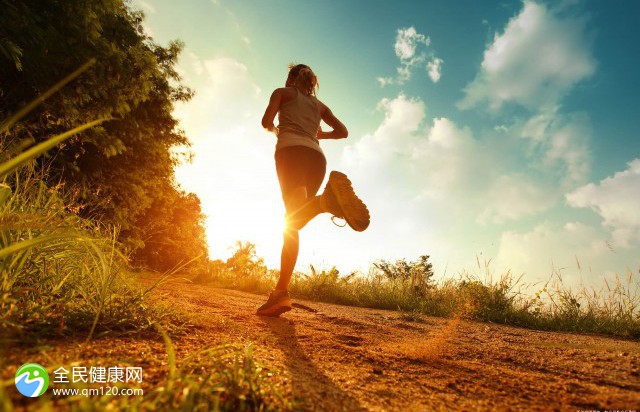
(442, 189)
(399, 149)
(501, 128)
(577, 251)
(445, 166)
(434, 69)
(384, 81)
(407, 40)
(615, 199)
(402, 116)
(411, 48)
(382, 159)
(540, 56)
(559, 143)
(512, 196)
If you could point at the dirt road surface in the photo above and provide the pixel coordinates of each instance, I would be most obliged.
(340, 358)
(346, 358)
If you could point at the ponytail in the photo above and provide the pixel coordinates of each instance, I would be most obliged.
(302, 75)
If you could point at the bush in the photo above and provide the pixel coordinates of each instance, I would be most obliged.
(418, 273)
(244, 270)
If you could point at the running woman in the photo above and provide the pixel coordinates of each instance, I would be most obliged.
(301, 167)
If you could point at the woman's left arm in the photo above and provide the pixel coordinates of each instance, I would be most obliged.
(339, 129)
(271, 111)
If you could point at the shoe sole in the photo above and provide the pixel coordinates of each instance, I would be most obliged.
(349, 206)
(277, 309)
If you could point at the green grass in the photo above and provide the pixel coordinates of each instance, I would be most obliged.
(613, 309)
(71, 276)
(220, 378)
(477, 295)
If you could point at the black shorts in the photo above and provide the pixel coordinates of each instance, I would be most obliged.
(300, 166)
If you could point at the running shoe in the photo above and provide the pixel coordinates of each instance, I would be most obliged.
(277, 304)
(343, 203)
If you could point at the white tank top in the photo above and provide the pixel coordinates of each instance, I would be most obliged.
(298, 122)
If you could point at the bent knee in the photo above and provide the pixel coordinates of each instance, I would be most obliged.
(292, 225)
(291, 233)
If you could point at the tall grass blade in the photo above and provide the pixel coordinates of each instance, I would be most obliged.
(6, 125)
(170, 273)
(28, 243)
(11, 165)
(171, 355)
(5, 192)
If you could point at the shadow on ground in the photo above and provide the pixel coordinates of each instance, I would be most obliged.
(305, 374)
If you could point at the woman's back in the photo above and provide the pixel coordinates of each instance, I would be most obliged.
(298, 121)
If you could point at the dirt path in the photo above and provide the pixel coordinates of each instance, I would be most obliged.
(345, 358)
(352, 359)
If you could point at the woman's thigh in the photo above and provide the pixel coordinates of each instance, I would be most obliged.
(300, 166)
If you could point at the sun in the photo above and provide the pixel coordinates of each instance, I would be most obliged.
(241, 203)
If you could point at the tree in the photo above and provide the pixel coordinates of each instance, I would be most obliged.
(245, 261)
(419, 273)
(122, 172)
(172, 231)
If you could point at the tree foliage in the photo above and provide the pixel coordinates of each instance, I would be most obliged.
(172, 230)
(418, 272)
(123, 171)
(245, 261)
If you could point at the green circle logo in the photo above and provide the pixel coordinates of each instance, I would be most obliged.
(32, 380)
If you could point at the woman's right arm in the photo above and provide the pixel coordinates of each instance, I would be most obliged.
(271, 111)
(339, 129)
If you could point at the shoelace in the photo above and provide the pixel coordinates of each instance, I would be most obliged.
(336, 217)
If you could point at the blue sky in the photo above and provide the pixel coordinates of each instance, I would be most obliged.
(493, 130)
